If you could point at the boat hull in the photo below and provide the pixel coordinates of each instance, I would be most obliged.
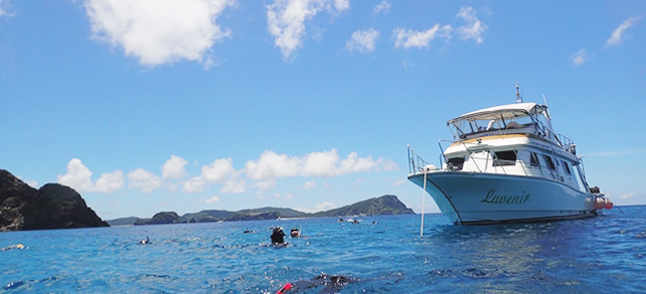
(481, 198)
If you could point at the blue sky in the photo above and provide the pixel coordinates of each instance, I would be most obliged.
(148, 106)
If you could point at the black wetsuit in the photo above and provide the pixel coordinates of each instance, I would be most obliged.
(278, 237)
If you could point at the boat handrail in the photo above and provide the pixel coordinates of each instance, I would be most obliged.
(415, 162)
(566, 143)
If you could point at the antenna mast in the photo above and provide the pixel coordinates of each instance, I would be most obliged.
(519, 99)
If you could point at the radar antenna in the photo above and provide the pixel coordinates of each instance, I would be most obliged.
(519, 99)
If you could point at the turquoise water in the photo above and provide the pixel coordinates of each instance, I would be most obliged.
(599, 255)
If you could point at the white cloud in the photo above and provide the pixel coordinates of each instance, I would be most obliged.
(617, 36)
(474, 29)
(407, 38)
(234, 187)
(220, 171)
(144, 180)
(363, 41)
(213, 199)
(159, 31)
(384, 7)
(194, 185)
(627, 195)
(309, 185)
(31, 183)
(398, 183)
(319, 207)
(315, 164)
(272, 165)
(325, 206)
(286, 20)
(580, 57)
(174, 168)
(110, 182)
(79, 177)
(264, 185)
(3, 8)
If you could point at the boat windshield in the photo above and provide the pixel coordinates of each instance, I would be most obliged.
(506, 119)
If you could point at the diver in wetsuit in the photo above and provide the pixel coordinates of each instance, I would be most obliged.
(278, 236)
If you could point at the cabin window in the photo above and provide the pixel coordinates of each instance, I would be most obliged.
(534, 159)
(502, 158)
(549, 162)
(566, 167)
(457, 162)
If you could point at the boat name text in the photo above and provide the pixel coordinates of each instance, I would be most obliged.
(494, 198)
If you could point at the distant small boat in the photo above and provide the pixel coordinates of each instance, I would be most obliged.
(506, 164)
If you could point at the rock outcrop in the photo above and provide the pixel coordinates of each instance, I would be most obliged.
(53, 206)
(161, 218)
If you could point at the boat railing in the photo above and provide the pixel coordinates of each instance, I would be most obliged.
(415, 162)
(566, 143)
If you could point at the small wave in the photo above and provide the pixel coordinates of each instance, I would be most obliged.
(18, 284)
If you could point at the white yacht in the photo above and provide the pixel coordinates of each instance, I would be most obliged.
(506, 164)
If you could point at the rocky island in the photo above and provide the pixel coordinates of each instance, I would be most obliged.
(53, 206)
(384, 205)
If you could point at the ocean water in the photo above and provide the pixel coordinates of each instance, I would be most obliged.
(598, 255)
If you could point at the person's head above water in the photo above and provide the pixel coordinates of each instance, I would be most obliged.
(277, 237)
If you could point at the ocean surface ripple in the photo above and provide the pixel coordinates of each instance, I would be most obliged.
(382, 254)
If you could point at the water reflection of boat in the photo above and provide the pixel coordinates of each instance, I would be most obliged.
(506, 164)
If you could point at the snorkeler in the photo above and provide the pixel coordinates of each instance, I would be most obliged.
(332, 284)
(278, 236)
(17, 246)
(295, 233)
(145, 241)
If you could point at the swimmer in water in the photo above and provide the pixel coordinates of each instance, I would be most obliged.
(278, 236)
(295, 233)
(145, 241)
(331, 284)
(17, 246)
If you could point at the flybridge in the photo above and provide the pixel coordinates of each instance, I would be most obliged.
(520, 118)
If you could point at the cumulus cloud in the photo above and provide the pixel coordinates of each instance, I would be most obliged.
(474, 28)
(580, 57)
(110, 182)
(194, 185)
(319, 207)
(398, 183)
(286, 20)
(264, 185)
(309, 185)
(3, 8)
(79, 177)
(407, 38)
(144, 180)
(213, 199)
(234, 187)
(384, 7)
(174, 168)
(618, 35)
(159, 31)
(363, 41)
(315, 164)
(220, 171)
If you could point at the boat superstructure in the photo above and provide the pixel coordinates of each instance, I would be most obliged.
(506, 164)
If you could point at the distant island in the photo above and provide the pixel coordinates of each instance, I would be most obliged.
(384, 205)
(55, 206)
